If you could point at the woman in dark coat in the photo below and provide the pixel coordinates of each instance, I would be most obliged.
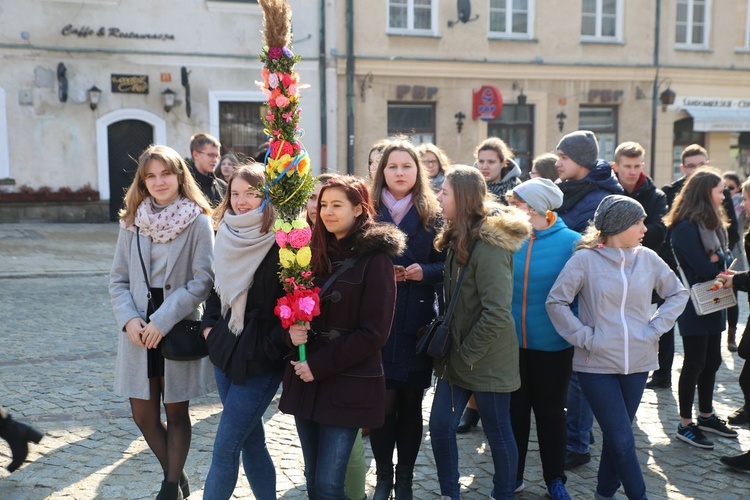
(245, 338)
(402, 195)
(341, 385)
(697, 224)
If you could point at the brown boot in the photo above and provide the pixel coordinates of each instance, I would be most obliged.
(731, 343)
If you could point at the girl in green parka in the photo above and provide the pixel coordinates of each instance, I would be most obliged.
(481, 236)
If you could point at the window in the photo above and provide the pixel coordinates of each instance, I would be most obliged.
(516, 127)
(601, 20)
(416, 121)
(240, 126)
(691, 29)
(744, 38)
(511, 18)
(411, 16)
(602, 120)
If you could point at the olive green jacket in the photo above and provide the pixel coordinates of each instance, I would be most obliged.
(484, 348)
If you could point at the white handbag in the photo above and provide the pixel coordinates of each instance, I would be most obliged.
(704, 299)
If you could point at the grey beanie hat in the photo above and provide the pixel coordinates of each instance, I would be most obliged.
(616, 213)
(581, 147)
(540, 194)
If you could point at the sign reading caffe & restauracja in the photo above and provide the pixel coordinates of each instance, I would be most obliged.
(87, 31)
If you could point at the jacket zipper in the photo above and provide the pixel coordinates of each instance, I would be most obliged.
(626, 357)
(526, 289)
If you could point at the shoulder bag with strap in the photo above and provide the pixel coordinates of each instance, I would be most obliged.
(705, 298)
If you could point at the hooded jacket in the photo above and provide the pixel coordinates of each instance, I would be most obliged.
(581, 197)
(614, 331)
(484, 349)
(345, 340)
(536, 266)
(508, 182)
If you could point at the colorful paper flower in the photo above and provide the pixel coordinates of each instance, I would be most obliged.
(286, 257)
(299, 238)
(274, 53)
(304, 256)
(281, 239)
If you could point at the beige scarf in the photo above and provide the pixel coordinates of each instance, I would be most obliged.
(239, 249)
(166, 224)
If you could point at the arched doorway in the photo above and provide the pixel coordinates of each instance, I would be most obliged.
(122, 136)
(126, 141)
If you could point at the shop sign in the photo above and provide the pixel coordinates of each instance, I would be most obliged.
(715, 102)
(129, 84)
(487, 103)
(111, 32)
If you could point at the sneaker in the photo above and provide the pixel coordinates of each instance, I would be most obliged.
(739, 417)
(692, 435)
(574, 459)
(715, 425)
(740, 463)
(556, 490)
(520, 486)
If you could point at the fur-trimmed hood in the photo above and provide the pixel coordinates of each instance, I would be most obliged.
(505, 227)
(381, 237)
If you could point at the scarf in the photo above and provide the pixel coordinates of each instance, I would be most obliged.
(397, 208)
(573, 190)
(714, 240)
(163, 225)
(239, 249)
(436, 183)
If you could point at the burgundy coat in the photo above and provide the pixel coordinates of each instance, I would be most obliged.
(345, 341)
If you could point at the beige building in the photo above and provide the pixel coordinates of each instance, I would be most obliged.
(590, 64)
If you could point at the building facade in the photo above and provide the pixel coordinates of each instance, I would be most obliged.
(53, 52)
(601, 65)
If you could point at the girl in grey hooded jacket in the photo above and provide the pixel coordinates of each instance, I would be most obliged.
(615, 335)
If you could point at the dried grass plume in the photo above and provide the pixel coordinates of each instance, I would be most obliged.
(277, 23)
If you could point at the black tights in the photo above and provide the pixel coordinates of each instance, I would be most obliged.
(402, 429)
(171, 442)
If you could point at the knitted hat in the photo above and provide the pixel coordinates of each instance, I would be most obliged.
(616, 213)
(540, 194)
(581, 147)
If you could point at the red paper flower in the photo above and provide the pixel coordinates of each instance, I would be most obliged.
(281, 148)
(274, 52)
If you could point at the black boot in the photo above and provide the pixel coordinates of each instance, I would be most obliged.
(18, 436)
(184, 484)
(384, 484)
(404, 484)
(469, 420)
(169, 491)
(740, 463)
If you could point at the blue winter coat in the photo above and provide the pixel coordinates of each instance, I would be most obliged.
(694, 260)
(416, 301)
(536, 266)
(581, 197)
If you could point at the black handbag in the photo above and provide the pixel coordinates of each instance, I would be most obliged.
(743, 348)
(436, 340)
(184, 341)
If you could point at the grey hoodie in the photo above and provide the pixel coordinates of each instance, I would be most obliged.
(615, 331)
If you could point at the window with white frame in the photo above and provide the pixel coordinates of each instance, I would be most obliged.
(411, 16)
(511, 19)
(692, 26)
(601, 20)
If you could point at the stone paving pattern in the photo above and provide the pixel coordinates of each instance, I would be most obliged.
(57, 355)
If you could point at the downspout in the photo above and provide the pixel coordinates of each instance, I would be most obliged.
(655, 90)
(350, 86)
(322, 77)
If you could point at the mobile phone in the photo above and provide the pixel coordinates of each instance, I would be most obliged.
(398, 268)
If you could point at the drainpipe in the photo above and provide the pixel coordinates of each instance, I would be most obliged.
(655, 90)
(350, 86)
(322, 77)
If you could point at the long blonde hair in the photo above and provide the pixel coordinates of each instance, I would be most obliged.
(137, 192)
(422, 195)
(472, 207)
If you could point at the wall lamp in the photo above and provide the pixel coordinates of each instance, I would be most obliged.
(459, 121)
(666, 98)
(521, 95)
(94, 94)
(167, 98)
(561, 120)
(62, 82)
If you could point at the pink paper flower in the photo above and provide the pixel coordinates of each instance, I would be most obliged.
(287, 116)
(286, 79)
(307, 304)
(273, 80)
(274, 52)
(281, 238)
(282, 101)
(299, 238)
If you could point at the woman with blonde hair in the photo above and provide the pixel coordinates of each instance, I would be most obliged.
(402, 196)
(436, 163)
(483, 358)
(168, 217)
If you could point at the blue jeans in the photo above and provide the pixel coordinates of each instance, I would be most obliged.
(326, 450)
(494, 409)
(241, 430)
(615, 399)
(579, 418)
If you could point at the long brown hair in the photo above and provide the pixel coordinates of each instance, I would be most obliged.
(187, 187)
(472, 206)
(422, 195)
(356, 192)
(252, 173)
(694, 201)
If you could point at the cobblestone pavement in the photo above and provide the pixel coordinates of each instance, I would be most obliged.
(57, 355)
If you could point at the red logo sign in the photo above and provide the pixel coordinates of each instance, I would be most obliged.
(487, 103)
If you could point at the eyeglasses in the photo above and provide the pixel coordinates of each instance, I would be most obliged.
(431, 162)
(213, 156)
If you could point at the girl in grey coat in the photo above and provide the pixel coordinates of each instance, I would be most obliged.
(168, 214)
(615, 335)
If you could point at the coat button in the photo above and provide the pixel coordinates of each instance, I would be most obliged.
(167, 287)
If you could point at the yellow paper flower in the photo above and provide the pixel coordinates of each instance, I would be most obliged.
(304, 255)
(286, 257)
(280, 164)
(303, 166)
